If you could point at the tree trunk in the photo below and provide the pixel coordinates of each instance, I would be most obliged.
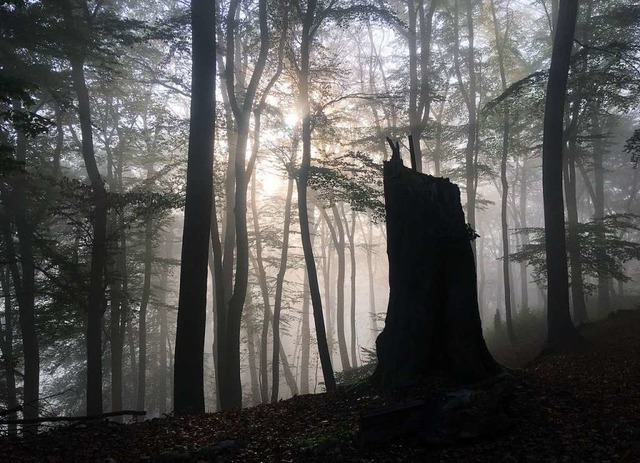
(338, 241)
(7, 351)
(133, 375)
(305, 345)
(573, 243)
(142, 320)
(373, 315)
(190, 329)
(327, 277)
(99, 244)
(277, 307)
(256, 394)
(350, 232)
(116, 339)
(24, 285)
(432, 320)
(500, 41)
(419, 91)
(559, 324)
(163, 373)
(524, 239)
(604, 299)
(266, 303)
(469, 97)
(231, 390)
(303, 180)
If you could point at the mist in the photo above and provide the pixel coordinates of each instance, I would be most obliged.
(98, 108)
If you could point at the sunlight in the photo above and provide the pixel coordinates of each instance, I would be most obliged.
(291, 119)
(271, 182)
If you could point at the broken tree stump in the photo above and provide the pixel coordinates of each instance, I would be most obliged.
(433, 322)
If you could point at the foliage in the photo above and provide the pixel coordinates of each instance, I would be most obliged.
(632, 147)
(604, 251)
(352, 178)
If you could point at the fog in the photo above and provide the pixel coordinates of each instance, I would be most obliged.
(466, 81)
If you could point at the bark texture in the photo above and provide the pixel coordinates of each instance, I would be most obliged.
(432, 320)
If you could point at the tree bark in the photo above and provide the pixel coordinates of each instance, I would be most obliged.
(432, 320)
(190, 330)
(559, 324)
(303, 180)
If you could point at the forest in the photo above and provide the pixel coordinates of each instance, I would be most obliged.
(197, 215)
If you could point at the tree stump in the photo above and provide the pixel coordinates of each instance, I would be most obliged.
(433, 322)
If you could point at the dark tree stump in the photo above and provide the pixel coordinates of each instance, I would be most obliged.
(432, 323)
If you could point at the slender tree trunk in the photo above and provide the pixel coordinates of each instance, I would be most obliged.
(219, 303)
(305, 345)
(133, 375)
(116, 340)
(604, 299)
(373, 315)
(573, 243)
(266, 303)
(482, 278)
(256, 394)
(7, 351)
(469, 96)
(163, 373)
(419, 91)
(278, 296)
(99, 244)
(303, 180)
(524, 239)
(24, 284)
(327, 277)
(142, 320)
(350, 232)
(560, 326)
(189, 354)
(338, 240)
(231, 392)
(500, 42)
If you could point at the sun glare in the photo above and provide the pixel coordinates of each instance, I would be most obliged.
(291, 119)
(271, 183)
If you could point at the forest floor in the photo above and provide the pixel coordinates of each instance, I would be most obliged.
(578, 406)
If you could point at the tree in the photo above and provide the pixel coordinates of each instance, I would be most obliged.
(560, 326)
(432, 320)
(309, 27)
(500, 45)
(190, 331)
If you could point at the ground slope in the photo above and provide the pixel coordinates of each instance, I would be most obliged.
(581, 406)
